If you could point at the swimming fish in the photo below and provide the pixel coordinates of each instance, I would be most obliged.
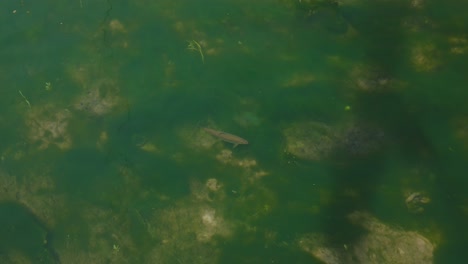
(226, 137)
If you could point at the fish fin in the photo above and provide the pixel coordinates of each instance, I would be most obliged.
(235, 145)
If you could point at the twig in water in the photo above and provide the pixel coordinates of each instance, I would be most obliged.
(194, 45)
(25, 99)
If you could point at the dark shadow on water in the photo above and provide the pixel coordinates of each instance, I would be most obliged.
(404, 136)
(403, 133)
(22, 232)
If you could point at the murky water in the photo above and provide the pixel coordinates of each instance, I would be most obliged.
(354, 111)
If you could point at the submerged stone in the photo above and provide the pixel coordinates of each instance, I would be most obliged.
(380, 243)
(100, 98)
(416, 201)
(48, 125)
(310, 140)
(362, 139)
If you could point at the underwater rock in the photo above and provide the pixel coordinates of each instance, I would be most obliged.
(460, 128)
(416, 201)
(116, 26)
(300, 80)
(48, 125)
(362, 139)
(247, 119)
(213, 185)
(188, 233)
(310, 140)
(379, 244)
(322, 14)
(196, 138)
(318, 246)
(211, 191)
(458, 44)
(317, 141)
(225, 156)
(370, 79)
(100, 98)
(425, 57)
(385, 244)
(23, 236)
(212, 224)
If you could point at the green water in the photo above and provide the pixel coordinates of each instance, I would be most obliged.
(349, 107)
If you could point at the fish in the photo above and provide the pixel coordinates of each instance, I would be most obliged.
(236, 140)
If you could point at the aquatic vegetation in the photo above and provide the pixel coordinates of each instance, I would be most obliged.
(48, 86)
(116, 248)
(195, 46)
